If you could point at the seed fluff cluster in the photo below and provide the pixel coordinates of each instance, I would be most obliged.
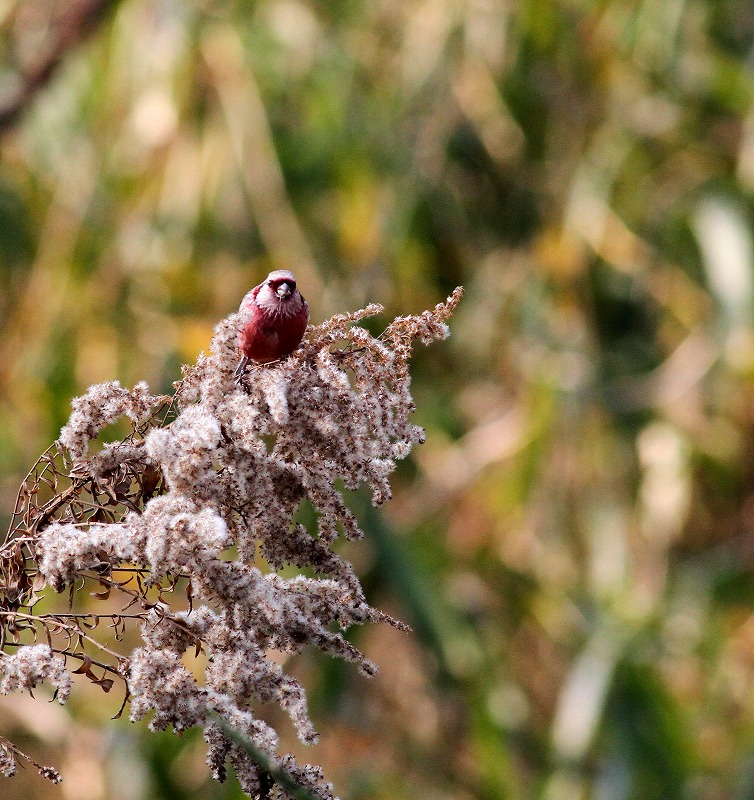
(189, 520)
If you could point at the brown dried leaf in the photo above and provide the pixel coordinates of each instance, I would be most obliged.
(150, 479)
(39, 582)
(105, 683)
(119, 714)
(85, 668)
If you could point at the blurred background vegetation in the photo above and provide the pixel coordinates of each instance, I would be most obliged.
(574, 543)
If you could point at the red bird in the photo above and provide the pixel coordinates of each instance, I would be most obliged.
(277, 319)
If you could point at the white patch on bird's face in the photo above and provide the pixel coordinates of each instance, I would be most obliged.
(273, 302)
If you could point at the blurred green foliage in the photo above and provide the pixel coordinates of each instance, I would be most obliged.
(573, 544)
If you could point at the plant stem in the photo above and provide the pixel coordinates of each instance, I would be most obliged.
(282, 777)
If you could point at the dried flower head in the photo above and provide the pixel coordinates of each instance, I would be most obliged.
(31, 665)
(189, 518)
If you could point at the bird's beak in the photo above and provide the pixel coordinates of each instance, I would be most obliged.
(283, 290)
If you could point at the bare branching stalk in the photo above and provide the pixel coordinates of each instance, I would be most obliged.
(182, 526)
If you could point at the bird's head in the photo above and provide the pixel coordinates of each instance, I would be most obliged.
(282, 283)
(278, 293)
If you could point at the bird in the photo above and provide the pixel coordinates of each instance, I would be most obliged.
(277, 316)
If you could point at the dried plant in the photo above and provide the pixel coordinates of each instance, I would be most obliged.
(186, 522)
